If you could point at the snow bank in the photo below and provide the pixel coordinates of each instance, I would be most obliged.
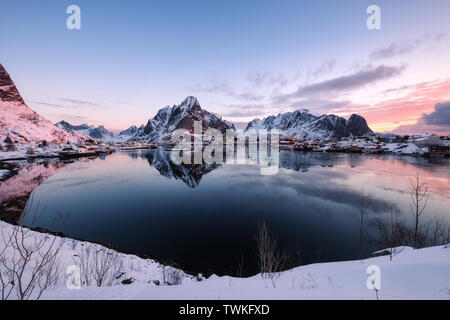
(22, 151)
(34, 150)
(405, 148)
(412, 274)
(133, 268)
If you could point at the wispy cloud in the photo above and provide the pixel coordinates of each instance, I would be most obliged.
(225, 88)
(213, 87)
(244, 110)
(67, 117)
(400, 48)
(343, 84)
(68, 103)
(79, 102)
(407, 87)
(53, 105)
(267, 78)
(325, 68)
(249, 96)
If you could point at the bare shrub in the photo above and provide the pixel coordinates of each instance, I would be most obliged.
(172, 276)
(419, 193)
(99, 266)
(439, 231)
(84, 260)
(394, 233)
(309, 282)
(29, 261)
(240, 267)
(391, 234)
(6, 277)
(175, 276)
(106, 267)
(272, 260)
(397, 232)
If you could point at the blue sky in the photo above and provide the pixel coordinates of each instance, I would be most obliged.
(132, 58)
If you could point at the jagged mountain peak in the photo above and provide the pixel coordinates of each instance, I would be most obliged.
(190, 103)
(357, 125)
(182, 116)
(303, 124)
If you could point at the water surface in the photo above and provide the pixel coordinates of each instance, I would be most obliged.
(204, 218)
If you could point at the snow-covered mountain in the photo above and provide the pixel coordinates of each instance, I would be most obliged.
(302, 124)
(168, 119)
(128, 134)
(21, 123)
(98, 133)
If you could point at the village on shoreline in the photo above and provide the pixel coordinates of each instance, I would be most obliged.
(429, 145)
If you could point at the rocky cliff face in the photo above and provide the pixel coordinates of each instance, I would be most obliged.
(302, 124)
(168, 119)
(357, 125)
(8, 90)
(22, 124)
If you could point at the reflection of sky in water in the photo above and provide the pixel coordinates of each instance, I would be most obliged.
(312, 203)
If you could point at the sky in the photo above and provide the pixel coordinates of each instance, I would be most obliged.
(242, 59)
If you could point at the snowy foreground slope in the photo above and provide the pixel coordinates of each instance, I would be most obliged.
(412, 274)
(140, 270)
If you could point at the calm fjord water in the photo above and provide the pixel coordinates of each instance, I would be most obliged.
(204, 218)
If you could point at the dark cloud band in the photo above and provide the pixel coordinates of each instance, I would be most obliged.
(440, 116)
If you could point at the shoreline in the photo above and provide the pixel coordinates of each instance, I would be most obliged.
(104, 150)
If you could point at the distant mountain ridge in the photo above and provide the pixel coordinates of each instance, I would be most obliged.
(99, 133)
(21, 123)
(130, 132)
(302, 124)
